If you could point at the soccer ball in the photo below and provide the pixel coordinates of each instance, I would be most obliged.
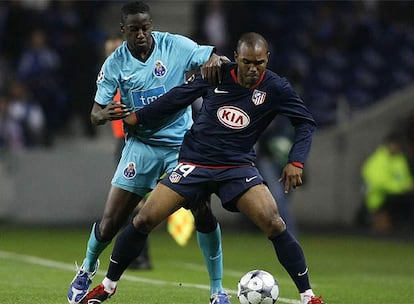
(257, 287)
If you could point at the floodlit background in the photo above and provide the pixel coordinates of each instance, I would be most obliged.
(351, 61)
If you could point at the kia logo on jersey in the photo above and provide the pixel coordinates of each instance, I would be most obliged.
(233, 117)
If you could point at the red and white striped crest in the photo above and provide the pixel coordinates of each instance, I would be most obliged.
(258, 97)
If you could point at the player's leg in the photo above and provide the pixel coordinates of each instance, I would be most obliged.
(258, 205)
(161, 203)
(128, 187)
(118, 207)
(271, 173)
(143, 261)
(209, 241)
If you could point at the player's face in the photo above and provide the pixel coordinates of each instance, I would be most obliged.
(137, 30)
(252, 62)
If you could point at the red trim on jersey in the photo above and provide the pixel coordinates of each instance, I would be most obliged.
(260, 80)
(234, 76)
(215, 167)
(297, 164)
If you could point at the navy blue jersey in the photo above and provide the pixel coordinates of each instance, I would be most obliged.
(233, 117)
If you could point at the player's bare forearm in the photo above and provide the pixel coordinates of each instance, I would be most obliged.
(97, 119)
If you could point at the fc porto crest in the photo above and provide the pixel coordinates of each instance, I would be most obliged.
(130, 171)
(160, 69)
(258, 97)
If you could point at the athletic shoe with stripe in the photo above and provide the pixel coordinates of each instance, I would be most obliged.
(313, 300)
(80, 284)
(220, 298)
(97, 295)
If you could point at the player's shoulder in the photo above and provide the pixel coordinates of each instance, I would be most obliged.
(228, 66)
(274, 77)
(168, 37)
(227, 69)
(119, 54)
(276, 81)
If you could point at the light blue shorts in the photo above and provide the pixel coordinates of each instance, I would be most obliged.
(142, 165)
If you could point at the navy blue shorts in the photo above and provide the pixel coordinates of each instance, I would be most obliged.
(196, 183)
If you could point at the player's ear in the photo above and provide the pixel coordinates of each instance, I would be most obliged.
(122, 28)
(235, 56)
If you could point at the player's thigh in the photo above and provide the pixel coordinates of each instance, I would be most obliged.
(258, 204)
(161, 203)
(142, 165)
(120, 202)
(118, 207)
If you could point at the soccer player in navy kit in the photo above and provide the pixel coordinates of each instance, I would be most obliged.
(217, 156)
(146, 66)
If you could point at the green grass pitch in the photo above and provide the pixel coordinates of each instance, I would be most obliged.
(37, 264)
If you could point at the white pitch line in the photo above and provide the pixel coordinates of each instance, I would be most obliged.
(65, 266)
(230, 273)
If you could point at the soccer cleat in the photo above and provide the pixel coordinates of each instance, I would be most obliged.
(220, 298)
(80, 284)
(313, 300)
(97, 295)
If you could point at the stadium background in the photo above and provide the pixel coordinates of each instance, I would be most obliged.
(357, 91)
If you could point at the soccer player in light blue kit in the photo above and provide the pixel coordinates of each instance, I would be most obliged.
(147, 65)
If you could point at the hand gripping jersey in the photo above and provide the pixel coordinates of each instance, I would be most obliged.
(233, 117)
(141, 83)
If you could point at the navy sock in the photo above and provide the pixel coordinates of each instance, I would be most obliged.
(128, 246)
(291, 257)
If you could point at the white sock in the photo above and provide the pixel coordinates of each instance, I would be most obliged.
(306, 296)
(109, 285)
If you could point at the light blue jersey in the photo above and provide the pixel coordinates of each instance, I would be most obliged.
(148, 153)
(141, 83)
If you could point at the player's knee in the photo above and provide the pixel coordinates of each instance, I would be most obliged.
(276, 226)
(105, 230)
(143, 223)
(204, 219)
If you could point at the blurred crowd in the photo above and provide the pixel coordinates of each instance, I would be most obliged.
(49, 55)
(342, 56)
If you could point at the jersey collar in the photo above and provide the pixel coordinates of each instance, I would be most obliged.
(234, 76)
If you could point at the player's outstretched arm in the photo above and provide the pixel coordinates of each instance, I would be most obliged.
(170, 103)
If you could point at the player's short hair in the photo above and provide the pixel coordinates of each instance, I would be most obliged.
(132, 8)
(251, 39)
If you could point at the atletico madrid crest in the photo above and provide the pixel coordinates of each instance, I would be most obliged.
(258, 97)
(175, 177)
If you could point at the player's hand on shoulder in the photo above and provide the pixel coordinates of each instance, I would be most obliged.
(211, 70)
(292, 176)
